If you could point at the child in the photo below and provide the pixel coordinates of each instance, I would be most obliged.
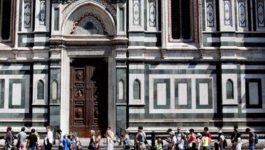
(199, 140)
(159, 145)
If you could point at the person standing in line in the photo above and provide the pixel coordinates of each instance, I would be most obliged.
(181, 144)
(66, 143)
(171, 140)
(75, 141)
(32, 140)
(109, 141)
(9, 139)
(206, 131)
(61, 138)
(112, 134)
(251, 139)
(22, 139)
(38, 140)
(98, 139)
(159, 144)
(234, 139)
(205, 141)
(92, 143)
(48, 139)
(192, 140)
(199, 141)
(239, 143)
(187, 136)
(140, 139)
(178, 136)
(126, 140)
(221, 139)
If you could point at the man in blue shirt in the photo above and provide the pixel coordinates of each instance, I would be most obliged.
(251, 139)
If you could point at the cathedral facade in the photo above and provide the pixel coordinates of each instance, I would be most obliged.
(89, 64)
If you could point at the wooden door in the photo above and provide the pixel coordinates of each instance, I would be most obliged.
(89, 96)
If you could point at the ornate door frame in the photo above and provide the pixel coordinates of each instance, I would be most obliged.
(67, 57)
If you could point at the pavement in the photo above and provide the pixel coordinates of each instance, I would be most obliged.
(85, 143)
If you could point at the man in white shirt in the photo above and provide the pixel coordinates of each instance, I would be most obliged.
(60, 139)
(48, 139)
(22, 136)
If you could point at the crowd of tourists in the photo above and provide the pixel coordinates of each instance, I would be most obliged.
(178, 140)
(29, 142)
(188, 140)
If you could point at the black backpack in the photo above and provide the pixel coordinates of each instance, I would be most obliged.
(225, 143)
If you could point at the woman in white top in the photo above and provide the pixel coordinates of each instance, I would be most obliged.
(239, 143)
(181, 145)
(109, 140)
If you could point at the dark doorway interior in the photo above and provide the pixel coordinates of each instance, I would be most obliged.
(88, 96)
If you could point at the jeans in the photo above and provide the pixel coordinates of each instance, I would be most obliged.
(251, 147)
(221, 147)
(32, 148)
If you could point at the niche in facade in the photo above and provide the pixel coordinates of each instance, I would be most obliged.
(54, 90)
(40, 90)
(229, 89)
(121, 90)
(136, 89)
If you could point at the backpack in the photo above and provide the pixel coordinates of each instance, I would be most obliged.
(225, 143)
(256, 138)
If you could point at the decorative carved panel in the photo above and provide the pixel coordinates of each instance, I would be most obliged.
(42, 15)
(152, 13)
(227, 12)
(27, 14)
(260, 13)
(242, 13)
(210, 13)
(136, 12)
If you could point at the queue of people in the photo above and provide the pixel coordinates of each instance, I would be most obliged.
(178, 140)
(29, 142)
(188, 140)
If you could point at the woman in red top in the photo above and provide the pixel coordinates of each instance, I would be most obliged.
(192, 140)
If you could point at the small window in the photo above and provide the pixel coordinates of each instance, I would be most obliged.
(180, 19)
(54, 90)
(40, 91)
(229, 89)
(5, 19)
(136, 89)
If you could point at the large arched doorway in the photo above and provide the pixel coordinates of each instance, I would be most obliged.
(87, 36)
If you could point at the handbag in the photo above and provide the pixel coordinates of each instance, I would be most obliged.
(79, 147)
